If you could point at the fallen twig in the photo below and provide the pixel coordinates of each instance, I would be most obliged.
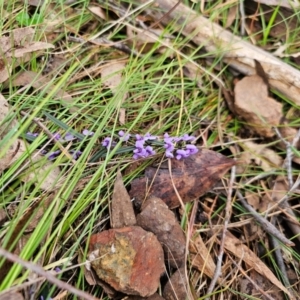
(228, 210)
(51, 278)
(267, 226)
(236, 52)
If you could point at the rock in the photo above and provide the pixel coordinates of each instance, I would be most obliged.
(129, 259)
(153, 297)
(159, 219)
(176, 288)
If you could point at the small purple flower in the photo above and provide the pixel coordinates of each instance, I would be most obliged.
(150, 150)
(187, 138)
(139, 137)
(56, 136)
(88, 132)
(108, 142)
(149, 137)
(169, 145)
(169, 154)
(139, 144)
(53, 155)
(125, 136)
(181, 153)
(191, 149)
(76, 154)
(32, 134)
(69, 137)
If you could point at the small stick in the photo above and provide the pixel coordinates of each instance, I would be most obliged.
(267, 226)
(228, 211)
(252, 281)
(279, 260)
(49, 277)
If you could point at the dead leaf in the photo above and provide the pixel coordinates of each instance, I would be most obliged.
(43, 173)
(16, 47)
(259, 154)
(8, 125)
(98, 11)
(144, 40)
(12, 296)
(253, 104)
(122, 213)
(192, 177)
(241, 251)
(32, 79)
(111, 75)
(232, 15)
(262, 285)
(200, 257)
(285, 3)
(191, 71)
(22, 222)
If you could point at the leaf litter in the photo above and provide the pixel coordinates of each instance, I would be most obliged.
(162, 196)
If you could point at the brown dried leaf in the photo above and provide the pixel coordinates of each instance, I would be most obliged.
(232, 15)
(284, 3)
(143, 41)
(111, 74)
(12, 296)
(98, 11)
(260, 154)
(192, 177)
(8, 124)
(191, 71)
(262, 285)
(122, 213)
(29, 78)
(253, 104)
(129, 259)
(200, 257)
(159, 219)
(44, 175)
(16, 47)
(241, 251)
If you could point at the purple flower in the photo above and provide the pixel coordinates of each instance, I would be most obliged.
(191, 149)
(181, 153)
(53, 155)
(149, 137)
(139, 137)
(139, 144)
(32, 134)
(88, 132)
(108, 142)
(187, 138)
(125, 136)
(76, 153)
(69, 137)
(169, 154)
(56, 136)
(150, 150)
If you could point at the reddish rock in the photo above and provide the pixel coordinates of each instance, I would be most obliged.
(176, 288)
(153, 297)
(159, 219)
(129, 259)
